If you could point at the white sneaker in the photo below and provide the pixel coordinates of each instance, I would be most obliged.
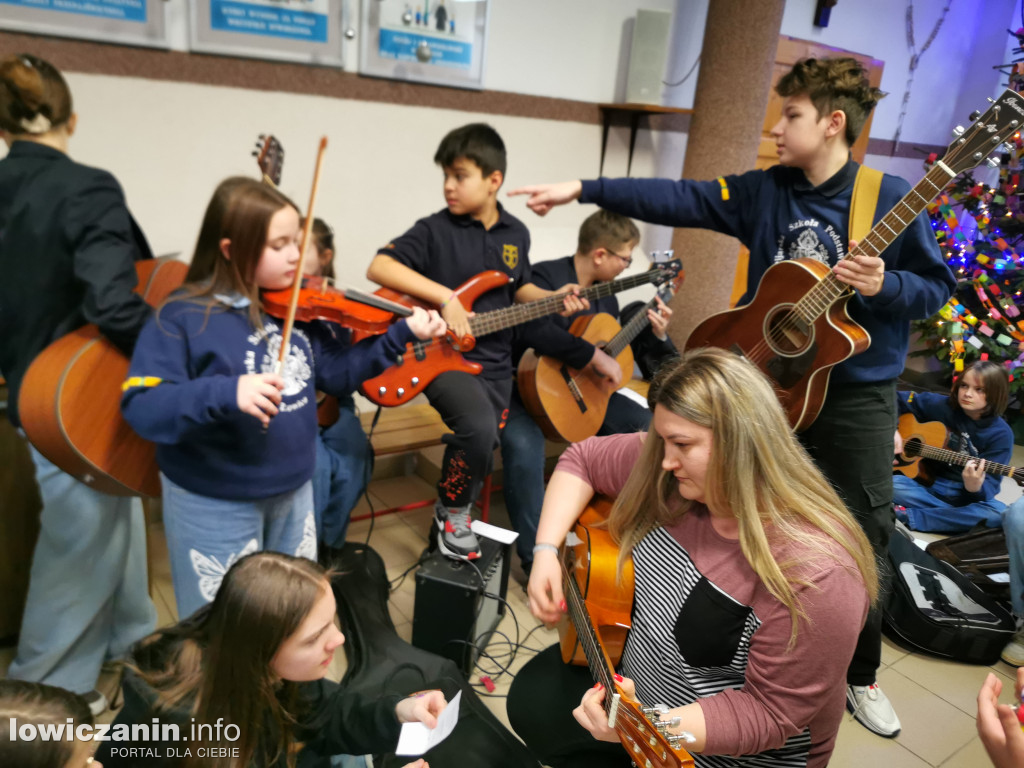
(1013, 653)
(871, 708)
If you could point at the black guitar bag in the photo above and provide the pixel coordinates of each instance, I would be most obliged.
(379, 661)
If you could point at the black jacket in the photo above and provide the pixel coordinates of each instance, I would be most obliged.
(330, 721)
(67, 250)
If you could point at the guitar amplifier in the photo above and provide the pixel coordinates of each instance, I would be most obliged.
(454, 616)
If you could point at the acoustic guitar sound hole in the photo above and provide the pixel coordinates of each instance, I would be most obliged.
(786, 333)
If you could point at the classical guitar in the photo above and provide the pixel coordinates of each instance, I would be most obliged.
(70, 401)
(424, 361)
(927, 440)
(797, 326)
(599, 610)
(570, 405)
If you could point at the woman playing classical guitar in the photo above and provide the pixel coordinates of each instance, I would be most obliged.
(752, 579)
(67, 253)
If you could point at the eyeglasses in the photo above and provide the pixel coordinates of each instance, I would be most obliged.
(628, 258)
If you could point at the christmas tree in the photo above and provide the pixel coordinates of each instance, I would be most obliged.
(980, 228)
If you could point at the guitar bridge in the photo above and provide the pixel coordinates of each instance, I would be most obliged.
(573, 389)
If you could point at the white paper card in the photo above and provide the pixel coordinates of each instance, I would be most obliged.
(416, 738)
(501, 535)
(634, 396)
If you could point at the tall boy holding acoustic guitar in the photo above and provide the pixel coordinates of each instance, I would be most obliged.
(441, 252)
(802, 208)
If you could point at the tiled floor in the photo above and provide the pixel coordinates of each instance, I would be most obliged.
(935, 699)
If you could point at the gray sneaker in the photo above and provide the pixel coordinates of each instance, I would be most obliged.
(871, 708)
(1013, 653)
(454, 537)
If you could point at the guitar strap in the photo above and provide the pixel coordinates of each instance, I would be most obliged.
(864, 201)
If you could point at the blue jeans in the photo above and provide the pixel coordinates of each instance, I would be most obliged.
(522, 457)
(205, 536)
(88, 598)
(344, 462)
(944, 506)
(1013, 527)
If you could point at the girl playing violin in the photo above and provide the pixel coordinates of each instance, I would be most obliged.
(236, 442)
(752, 580)
(255, 661)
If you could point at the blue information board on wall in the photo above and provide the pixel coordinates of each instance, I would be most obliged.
(253, 19)
(403, 46)
(132, 22)
(296, 30)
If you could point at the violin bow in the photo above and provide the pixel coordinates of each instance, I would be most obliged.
(289, 322)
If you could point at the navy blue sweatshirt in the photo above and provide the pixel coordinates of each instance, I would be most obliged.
(988, 438)
(182, 394)
(778, 215)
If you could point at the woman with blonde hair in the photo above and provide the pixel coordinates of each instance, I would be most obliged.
(752, 579)
(253, 664)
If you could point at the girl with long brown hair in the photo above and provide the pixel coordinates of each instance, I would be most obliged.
(236, 441)
(752, 579)
(254, 661)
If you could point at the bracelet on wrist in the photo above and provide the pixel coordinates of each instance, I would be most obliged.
(449, 300)
(545, 548)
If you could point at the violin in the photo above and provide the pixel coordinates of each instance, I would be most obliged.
(348, 307)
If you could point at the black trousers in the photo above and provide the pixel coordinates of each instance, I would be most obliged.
(474, 409)
(851, 441)
(540, 704)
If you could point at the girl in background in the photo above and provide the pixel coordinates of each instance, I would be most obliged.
(236, 442)
(42, 705)
(972, 412)
(257, 658)
(344, 456)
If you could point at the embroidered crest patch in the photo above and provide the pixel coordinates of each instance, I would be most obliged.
(510, 255)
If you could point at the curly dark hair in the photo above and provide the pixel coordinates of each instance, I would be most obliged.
(833, 84)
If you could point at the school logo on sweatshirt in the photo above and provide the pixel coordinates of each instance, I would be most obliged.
(810, 239)
(510, 255)
(297, 365)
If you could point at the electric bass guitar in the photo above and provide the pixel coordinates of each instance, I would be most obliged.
(927, 441)
(599, 610)
(797, 327)
(424, 361)
(570, 405)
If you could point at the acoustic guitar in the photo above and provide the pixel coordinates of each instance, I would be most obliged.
(570, 405)
(424, 361)
(599, 612)
(797, 327)
(70, 401)
(927, 440)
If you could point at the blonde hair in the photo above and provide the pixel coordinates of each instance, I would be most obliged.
(757, 472)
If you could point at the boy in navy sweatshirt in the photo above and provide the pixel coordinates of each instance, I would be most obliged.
(801, 208)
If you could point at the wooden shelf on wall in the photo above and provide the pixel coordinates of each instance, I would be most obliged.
(635, 113)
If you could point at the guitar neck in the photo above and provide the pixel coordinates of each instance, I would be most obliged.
(817, 300)
(630, 330)
(500, 319)
(960, 459)
(597, 659)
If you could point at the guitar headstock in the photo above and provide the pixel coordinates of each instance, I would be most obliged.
(667, 271)
(269, 156)
(646, 743)
(999, 123)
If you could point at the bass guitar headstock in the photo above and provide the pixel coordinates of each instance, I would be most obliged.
(998, 124)
(668, 271)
